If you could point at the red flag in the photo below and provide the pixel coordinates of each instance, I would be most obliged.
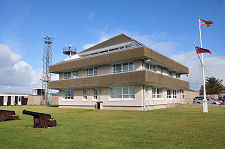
(201, 50)
(205, 23)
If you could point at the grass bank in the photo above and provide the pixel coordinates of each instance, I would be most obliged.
(182, 127)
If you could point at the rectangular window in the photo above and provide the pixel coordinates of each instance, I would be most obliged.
(131, 66)
(169, 94)
(85, 94)
(170, 73)
(122, 93)
(156, 93)
(67, 75)
(69, 94)
(95, 93)
(95, 71)
(174, 94)
(177, 75)
(152, 68)
(91, 72)
(118, 68)
(147, 66)
(74, 74)
(125, 67)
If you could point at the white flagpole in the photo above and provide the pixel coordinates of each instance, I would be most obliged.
(205, 105)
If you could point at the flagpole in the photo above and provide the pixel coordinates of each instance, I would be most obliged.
(205, 106)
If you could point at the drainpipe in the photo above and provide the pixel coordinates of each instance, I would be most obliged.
(144, 99)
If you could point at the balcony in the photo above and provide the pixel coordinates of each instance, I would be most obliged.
(129, 78)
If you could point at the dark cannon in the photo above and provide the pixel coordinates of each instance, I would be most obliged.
(8, 115)
(41, 120)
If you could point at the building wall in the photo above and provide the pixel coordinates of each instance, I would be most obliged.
(138, 65)
(1, 100)
(104, 96)
(36, 100)
(136, 104)
(163, 100)
(190, 95)
(106, 69)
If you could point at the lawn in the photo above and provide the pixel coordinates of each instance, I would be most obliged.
(183, 127)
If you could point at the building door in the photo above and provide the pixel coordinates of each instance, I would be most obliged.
(12, 100)
(19, 100)
(5, 100)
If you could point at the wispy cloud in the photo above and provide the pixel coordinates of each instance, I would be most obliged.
(213, 66)
(156, 41)
(16, 75)
(164, 44)
(91, 15)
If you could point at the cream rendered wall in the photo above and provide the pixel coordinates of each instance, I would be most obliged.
(138, 65)
(174, 74)
(138, 101)
(61, 76)
(165, 71)
(164, 99)
(158, 69)
(81, 73)
(102, 70)
(104, 96)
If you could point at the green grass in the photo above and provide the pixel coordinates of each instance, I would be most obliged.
(171, 128)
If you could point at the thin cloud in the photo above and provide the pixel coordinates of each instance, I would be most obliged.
(155, 41)
(16, 74)
(213, 66)
(91, 15)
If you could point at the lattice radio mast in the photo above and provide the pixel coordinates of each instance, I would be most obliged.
(46, 77)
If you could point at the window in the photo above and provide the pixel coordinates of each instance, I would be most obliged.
(177, 75)
(85, 94)
(118, 68)
(156, 93)
(95, 93)
(131, 66)
(170, 74)
(147, 66)
(75, 74)
(70, 75)
(174, 94)
(169, 94)
(91, 72)
(67, 75)
(122, 93)
(69, 94)
(125, 67)
(152, 68)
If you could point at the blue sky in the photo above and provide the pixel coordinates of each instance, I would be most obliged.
(169, 27)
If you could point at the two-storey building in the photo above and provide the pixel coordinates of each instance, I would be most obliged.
(122, 73)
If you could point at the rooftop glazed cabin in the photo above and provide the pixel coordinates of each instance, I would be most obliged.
(119, 73)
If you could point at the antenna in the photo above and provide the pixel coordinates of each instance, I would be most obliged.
(47, 61)
(69, 50)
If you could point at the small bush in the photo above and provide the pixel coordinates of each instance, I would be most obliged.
(53, 105)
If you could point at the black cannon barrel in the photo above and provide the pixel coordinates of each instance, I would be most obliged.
(35, 114)
(3, 111)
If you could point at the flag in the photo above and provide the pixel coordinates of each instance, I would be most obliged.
(205, 23)
(201, 50)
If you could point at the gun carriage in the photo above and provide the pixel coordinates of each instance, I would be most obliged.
(8, 115)
(41, 120)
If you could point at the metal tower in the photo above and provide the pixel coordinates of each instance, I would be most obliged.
(46, 77)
